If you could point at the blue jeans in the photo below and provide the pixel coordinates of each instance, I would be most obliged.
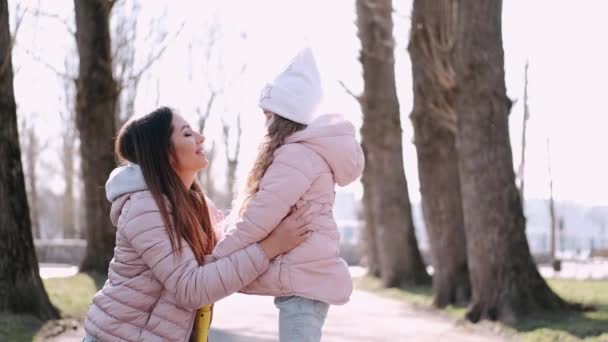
(89, 338)
(300, 319)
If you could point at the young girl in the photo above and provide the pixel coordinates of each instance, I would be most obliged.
(157, 280)
(299, 163)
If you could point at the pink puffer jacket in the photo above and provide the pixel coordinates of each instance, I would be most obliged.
(305, 170)
(151, 293)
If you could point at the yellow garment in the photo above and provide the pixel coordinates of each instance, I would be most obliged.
(202, 323)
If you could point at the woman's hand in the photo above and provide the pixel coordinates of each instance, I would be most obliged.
(290, 233)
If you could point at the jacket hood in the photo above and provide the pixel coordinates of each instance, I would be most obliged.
(333, 137)
(122, 182)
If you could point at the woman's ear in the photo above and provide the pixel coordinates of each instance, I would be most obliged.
(172, 161)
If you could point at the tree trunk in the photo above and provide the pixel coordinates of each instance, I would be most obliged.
(522, 165)
(69, 224)
(400, 260)
(370, 245)
(21, 289)
(95, 118)
(506, 284)
(434, 120)
(31, 155)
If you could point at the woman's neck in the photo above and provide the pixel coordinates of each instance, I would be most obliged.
(187, 179)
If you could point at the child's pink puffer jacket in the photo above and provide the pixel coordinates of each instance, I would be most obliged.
(305, 170)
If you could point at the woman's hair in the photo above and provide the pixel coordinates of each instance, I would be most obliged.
(279, 130)
(146, 141)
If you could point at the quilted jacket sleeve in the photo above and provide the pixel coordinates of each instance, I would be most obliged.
(288, 178)
(193, 286)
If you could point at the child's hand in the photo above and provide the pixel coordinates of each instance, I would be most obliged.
(290, 233)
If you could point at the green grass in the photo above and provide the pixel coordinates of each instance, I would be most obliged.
(587, 326)
(419, 296)
(71, 295)
(16, 328)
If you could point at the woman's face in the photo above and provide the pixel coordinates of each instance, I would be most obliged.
(188, 155)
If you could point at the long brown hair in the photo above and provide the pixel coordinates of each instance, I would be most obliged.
(279, 130)
(146, 141)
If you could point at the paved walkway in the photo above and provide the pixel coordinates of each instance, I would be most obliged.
(367, 317)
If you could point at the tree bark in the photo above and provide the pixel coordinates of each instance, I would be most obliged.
(95, 118)
(434, 120)
(506, 284)
(21, 289)
(370, 246)
(400, 260)
(31, 155)
(522, 165)
(69, 223)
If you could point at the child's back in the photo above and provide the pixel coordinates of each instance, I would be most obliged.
(300, 161)
(323, 154)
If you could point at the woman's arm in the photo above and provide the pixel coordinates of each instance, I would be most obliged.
(195, 286)
(288, 178)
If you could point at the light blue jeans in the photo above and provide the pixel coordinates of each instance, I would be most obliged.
(89, 338)
(300, 319)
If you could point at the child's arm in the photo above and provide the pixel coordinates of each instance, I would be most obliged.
(286, 180)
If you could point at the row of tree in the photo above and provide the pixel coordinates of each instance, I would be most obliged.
(100, 86)
(132, 56)
(471, 205)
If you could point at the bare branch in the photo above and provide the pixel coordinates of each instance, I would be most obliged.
(37, 58)
(349, 92)
(135, 77)
(19, 16)
(18, 20)
(68, 25)
(226, 135)
(238, 137)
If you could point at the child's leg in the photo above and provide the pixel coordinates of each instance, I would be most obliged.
(300, 319)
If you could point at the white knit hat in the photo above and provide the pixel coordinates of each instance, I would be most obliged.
(296, 92)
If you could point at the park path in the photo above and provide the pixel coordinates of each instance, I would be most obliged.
(367, 317)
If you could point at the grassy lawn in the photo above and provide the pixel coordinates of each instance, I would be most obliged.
(588, 326)
(71, 296)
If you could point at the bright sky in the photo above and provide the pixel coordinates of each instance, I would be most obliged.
(563, 40)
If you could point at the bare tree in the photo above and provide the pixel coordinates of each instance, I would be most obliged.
(96, 100)
(21, 289)
(505, 282)
(124, 18)
(205, 176)
(68, 153)
(432, 38)
(232, 156)
(384, 178)
(526, 117)
(127, 72)
(552, 215)
(370, 243)
(31, 152)
(218, 82)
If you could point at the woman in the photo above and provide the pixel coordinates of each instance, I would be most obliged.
(157, 278)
